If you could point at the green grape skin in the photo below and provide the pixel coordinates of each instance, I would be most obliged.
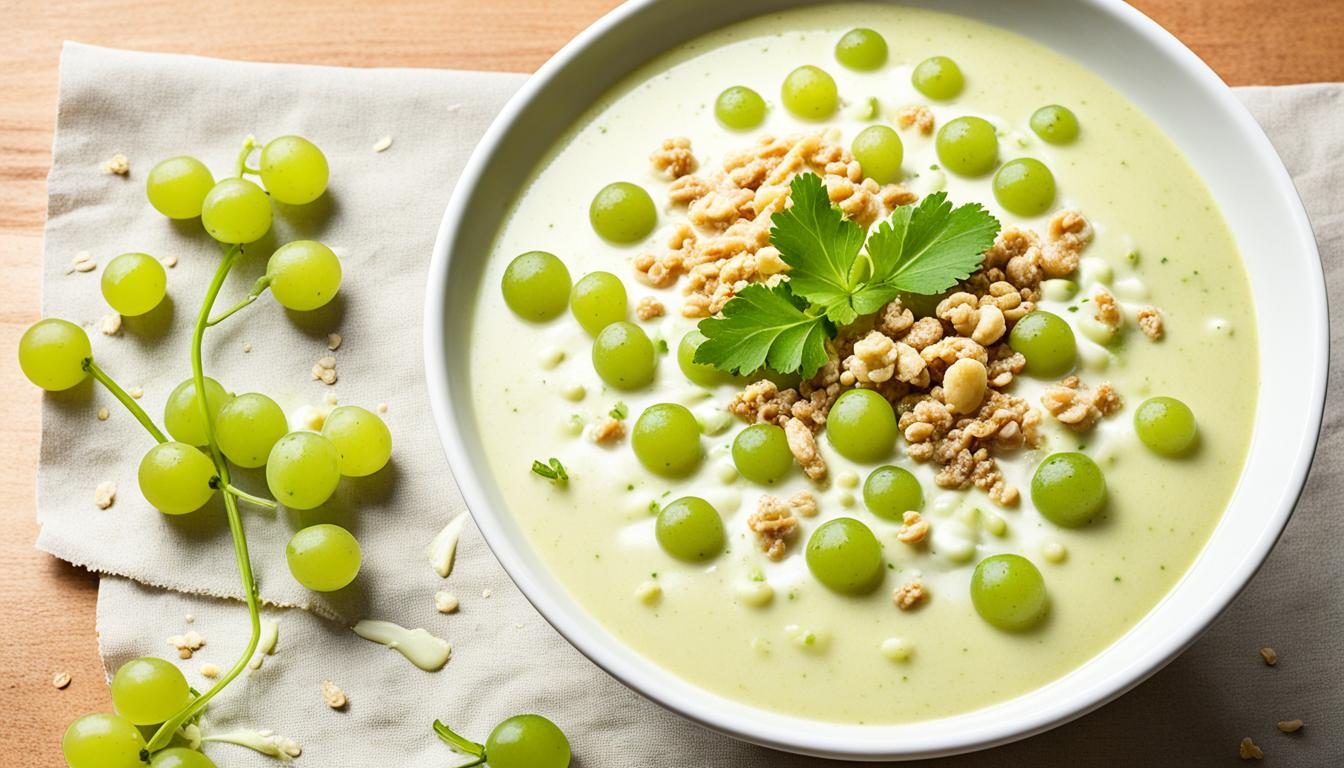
(304, 275)
(890, 492)
(52, 354)
(968, 146)
(845, 556)
(690, 529)
(180, 757)
(134, 283)
(182, 411)
(324, 557)
(148, 691)
(1025, 186)
(938, 77)
(175, 478)
(1068, 489)
(294, 170)
(598, 300)
(527, 741)
(536, 286)
(862, 426)
(879, 151)
(622, 212)
(666, 440)
(703, 374)
(236, 211)
(1055, 124)
(623, 356)
(1047, 342)
(1009, 593)
(177, 187)
(102, 741)
(302, 470)
(247, 427)
(739, 108)
(861, 49)
(761, 453)
(1166, 426)
(361, 438)
(809, 93)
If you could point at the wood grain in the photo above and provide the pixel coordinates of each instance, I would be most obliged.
(46, 607)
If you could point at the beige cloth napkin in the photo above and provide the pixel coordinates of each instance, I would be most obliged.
(382, 214)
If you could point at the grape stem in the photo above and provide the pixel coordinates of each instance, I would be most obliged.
(165, 733)
(245, 496)
(461, 744)
(258, 288)
(249, 144)
(124, 399)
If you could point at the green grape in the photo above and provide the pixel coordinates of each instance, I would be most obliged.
(294, 170)
(52, 354)
(862, 426)
(938, 77)
(323, 558)
(527, 741)
(666, 440)
(1047, 342)
(180, 757)
(303, 469)
(699, 373)
(598, 300)
(102, 741)
(968, 146)
(809, 93)
(175, 478)
(879, 151)
(247, 427)
(182, 411)
(148, 691)
(690, 529)
(134, 283)
(361, 438)
(536, 286)
(1055, 124)
(177, 187)
(845, 556)
(761, 453)
(305, 275)
(862, 49)
(1009, 593)
(623, 212)
(624, 356)
(1166, 425)
(890, 492)
(1068, 489)
(740, 108)
(1025, 186)
(236, 211)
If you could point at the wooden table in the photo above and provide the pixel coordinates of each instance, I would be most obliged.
(46, 606)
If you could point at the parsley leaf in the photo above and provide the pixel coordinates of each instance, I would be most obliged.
(619, 411)
(820, 246)
(555, 472)
(763, 326)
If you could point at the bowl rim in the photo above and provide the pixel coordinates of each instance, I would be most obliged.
(596, 648)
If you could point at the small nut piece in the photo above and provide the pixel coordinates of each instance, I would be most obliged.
(1290, 726)
(334, 696)
(1271, 658)
(62, 679)
(118, 165)
(110, 324)
(909, 596)
(914, 528)
(209, 670)
(325, 370)
(445, 602)
(964, 385)
(333, 341)
(186, 644)
(105, 494)
(1249, 750)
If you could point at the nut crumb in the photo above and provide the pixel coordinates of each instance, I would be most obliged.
(137, 392)
(190, 618)
(168, 261)
(446, 602)
(1249, 751)
(105, 494)
(383, 144)
(774, 525)
(1271, 658)
(103, 414)
(210, 671)
(247, 347)
(117, 165)
(334, 341)
(1290, 726)
(486, 593)
(333, 695)
(110, 325)
(82, 265)
(909, 596)
(803, 503)
(913, 529)
(609, 432)
(917, 116)
(1150, 322)
(649, 308)
(186, 644)
(325, 370)
(382, 407)
(61, 680)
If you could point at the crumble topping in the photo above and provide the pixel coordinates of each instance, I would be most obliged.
(909, 596)
(674, 158)
(1108, 310)
(609, 431)
(649, 308)
(186, 644)
(333, 696)
(913, 528)
(1248, 750)
(774, 525)
(1150, 322)
(916, 116)
(1077, 406)
(803, 445)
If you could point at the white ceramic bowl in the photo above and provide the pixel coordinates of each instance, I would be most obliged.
(1166, 81)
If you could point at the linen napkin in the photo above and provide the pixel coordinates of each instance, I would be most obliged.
(381, 214)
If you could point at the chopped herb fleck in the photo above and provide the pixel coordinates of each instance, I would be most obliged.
(553, 470)
(619, 411)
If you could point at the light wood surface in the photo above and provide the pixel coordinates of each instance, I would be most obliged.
(46, 607)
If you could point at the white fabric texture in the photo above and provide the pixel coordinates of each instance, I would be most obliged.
(381, 214)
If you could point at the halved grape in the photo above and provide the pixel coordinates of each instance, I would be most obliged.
(148, 691)
(323, 558)
(182, 411)
(527, 741)
(761, 453)
(809, 93)
(845, 556)
(890, 492)
(1055, 124)
(879, 152)
(968, 146)
(1068, 489)
(175, 478)
(294, 170)
(177, 187)
(701, 373)
(862, 49)
(598, 300)
(666, 440)
(52, 354)
(1166, 425)
(1025, 186)
(361, 438)
(180, 757)
(536, 286)
(134, 283)
(102, 741)
(862, 426)
(938, 77)
(623, 356)
(236, 211)
(247, 427)
(1047, 342)
(623, 213)
(740, 108)
(305, 275)
(1009, 593)
(303, 470)
(690, 529)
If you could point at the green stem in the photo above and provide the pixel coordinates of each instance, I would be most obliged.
(258, 288)
(245, 496)
(165, 733)
(124, 399)
(461, 744)
(249, 144)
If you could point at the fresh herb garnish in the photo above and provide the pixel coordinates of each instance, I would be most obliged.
(619, 411)
(765, 326)
(553, 471)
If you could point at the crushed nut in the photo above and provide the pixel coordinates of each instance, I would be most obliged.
(1290, 726)
(649, 308)
(105, 494)
(110, 324)
(964, 385)
(137, 392)
(168, 261)
(382, 407)
(209, 671)
(331, 398)
(383, 144)
(186, 644)
(117, 165)
(918, 116)
(247, 347)
(803, 503)
(333, 695)
(1271, 658)
(1108, 310)
(1069, 233)
(774, 525)
(325, 370)
(1078, 407)
(1150, 322)
(674, 158)
(60, 680)
(909, 596)
(609, 431)
(913, 528)
(87, 265)
(445, 602)
(334, 341)
(1249, 751)
(103, 414)
(803, 445)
